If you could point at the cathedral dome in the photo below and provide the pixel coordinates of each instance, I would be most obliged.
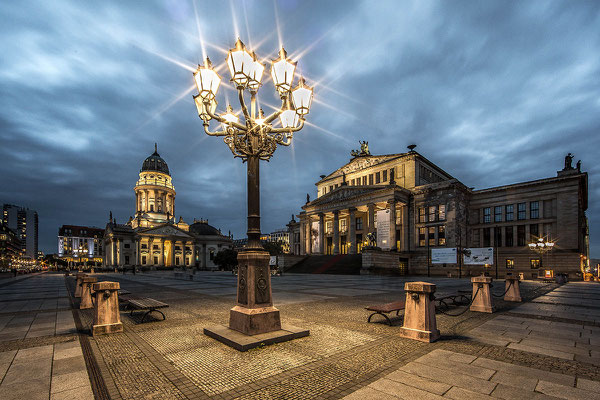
(155, 163)
(203, 228)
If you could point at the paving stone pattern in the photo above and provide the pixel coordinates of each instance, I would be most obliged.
(40, 354)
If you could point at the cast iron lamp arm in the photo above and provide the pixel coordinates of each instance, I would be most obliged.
(249, 122)
(224, 121)
(217, 133)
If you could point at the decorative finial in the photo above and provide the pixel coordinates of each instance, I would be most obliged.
(411, 147)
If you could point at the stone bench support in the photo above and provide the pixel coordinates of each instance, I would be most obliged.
(514, 292)
(86, 292)
(482, 302)
(78, 276)
(419, 313)
(107, 318)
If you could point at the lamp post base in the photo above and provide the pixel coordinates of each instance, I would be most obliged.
(254, 322)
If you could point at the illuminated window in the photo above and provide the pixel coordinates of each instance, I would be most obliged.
(487, 215)
(343, 225)
(422, 214)
(431, 235)
(329, 227)
(510, 263)
(442, 212)
(441, 235)
(521, 211)
(534, 263)
(432, 213)
(421, 237)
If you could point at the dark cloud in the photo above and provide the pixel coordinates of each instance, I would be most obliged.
(494, 92)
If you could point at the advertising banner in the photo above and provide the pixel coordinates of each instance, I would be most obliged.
(479, 255)
(383, 229)
(443, 256)
(314, 233)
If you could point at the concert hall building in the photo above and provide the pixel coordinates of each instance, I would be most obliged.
(414, 206)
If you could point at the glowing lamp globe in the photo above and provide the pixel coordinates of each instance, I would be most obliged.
(240, 64)
(229, 116)
(201, 106)
(256, 73)
(302, 97)
(282, 72)
(207, 81)
(289, 119)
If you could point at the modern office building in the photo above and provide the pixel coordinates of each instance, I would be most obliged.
(10, 246)
(80, 243)
(25, 223)
(413, 206)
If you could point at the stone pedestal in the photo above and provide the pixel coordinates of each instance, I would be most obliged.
(86, 292)
(513, 293)
(78, 276)
(254, 321)
(419, 313)
(483, 301)
(107, 318)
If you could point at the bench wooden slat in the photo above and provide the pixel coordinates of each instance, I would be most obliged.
(146, 303)
(389, 307)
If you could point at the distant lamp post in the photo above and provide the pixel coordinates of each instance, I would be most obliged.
(541, 247)
(254, 139)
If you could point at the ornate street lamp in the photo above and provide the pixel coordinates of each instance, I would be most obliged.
(254, 139)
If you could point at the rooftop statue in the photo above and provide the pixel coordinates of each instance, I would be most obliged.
(569, 161)
(364, 150)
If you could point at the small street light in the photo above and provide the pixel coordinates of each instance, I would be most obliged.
(254, 139)
(541, 246)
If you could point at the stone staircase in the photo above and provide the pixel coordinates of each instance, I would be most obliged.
(342, 264)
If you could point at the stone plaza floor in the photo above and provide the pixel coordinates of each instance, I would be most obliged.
(544, 347)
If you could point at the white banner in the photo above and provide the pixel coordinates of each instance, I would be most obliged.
(479, 255)
(383, 229)
(314, 231)
(443, 256)
(272, 261)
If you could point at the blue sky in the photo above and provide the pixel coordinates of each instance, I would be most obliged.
(495, 92)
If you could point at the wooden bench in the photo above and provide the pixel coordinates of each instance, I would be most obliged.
(146, 304)
(383, 309)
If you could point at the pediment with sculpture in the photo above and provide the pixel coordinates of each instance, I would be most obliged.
(343, 193)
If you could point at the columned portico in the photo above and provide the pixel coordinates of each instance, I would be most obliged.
(321, 233)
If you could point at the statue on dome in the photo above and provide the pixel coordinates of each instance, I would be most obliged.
(569, 161)
(364, 149)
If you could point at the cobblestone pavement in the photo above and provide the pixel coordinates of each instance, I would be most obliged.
(343, 354)
(40, 354)
(529, 352)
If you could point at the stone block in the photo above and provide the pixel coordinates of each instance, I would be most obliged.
(419, 313)
(513, 291)
(107, 318)
(482, 297)
(86, 292)
(78, 278)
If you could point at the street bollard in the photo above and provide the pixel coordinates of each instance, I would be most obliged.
(107, 318)
(482, 298)
(513, 292)
(78, 276)
(86, 292)
(419, 313)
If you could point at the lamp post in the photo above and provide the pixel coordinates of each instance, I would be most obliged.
(254, 139)
(541, 246)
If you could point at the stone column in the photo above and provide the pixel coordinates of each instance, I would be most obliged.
(146, 201)
(172, 252)
(405, 229)
(392, 206)
(138, 257)
(482, 298)
(302, 238)
(193, 261)
(137, 201)
(419, 312)
(162, 261)
(204, 256)
(309, 243)
(371, 217)
(352, 230)
(321, 233)
(336, 232)
(118, 252)
(107, 318)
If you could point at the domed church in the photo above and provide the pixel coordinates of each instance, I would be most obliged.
(153, 238)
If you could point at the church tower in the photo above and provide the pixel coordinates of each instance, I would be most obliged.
(154, 193)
